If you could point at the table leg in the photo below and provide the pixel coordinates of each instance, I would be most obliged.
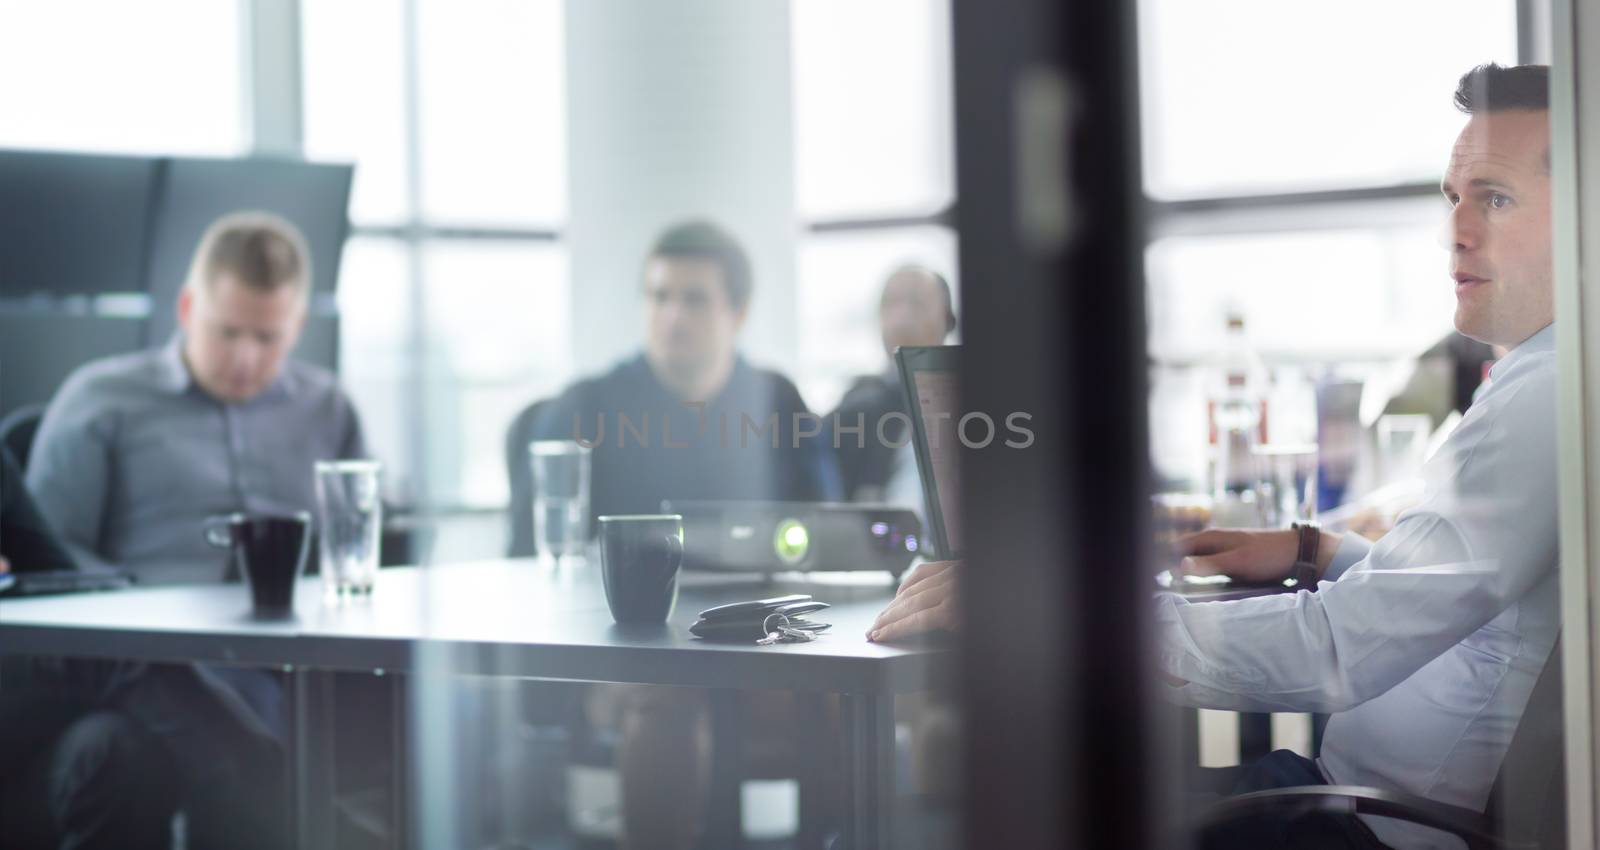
(724, 815)
(869, 776)
(817, 771)
(400, 781)
(313, 759)
(1255, 736)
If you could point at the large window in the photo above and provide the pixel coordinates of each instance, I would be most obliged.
(158, 77)
(1292, 158)
(874, 172)
(1249, 96)
(456, 123)
(841, 274)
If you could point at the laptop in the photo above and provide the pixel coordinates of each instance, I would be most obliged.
(929, 378)
(61, 581)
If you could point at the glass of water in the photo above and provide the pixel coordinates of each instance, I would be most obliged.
(350, 523)
(560, 497)
(1287, 489)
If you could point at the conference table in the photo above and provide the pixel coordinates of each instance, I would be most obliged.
(503, 618)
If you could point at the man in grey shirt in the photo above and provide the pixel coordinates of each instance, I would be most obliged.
(136, 451)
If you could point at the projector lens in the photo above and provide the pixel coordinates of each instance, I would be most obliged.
(791, 541)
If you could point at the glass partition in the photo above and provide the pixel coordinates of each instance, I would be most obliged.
(1353, 424)
(634, 257)
(800, 423)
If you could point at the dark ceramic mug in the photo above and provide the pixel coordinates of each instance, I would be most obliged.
(269, 550)
(639, 561)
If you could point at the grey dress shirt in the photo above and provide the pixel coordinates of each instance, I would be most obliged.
(133, 456)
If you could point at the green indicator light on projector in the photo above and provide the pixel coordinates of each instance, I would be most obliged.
(791, 541)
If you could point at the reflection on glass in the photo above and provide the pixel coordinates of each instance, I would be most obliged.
(656, 737)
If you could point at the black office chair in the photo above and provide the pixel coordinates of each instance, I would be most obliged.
(404, 539)
(17, 430)
(521, 477)
(1527, 804)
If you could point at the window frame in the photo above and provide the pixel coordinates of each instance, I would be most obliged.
(275, 125)
(1262, 213)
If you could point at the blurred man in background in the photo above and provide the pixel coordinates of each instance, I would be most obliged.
(136, 451)
(915, 309)
(689, 394)
(703, 410)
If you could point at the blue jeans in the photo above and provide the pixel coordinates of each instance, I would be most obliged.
(1278, 769)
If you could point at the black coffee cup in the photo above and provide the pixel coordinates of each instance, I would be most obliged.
(269, 550)
(639, 561)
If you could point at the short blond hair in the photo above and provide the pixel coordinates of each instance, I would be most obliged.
(259, 249)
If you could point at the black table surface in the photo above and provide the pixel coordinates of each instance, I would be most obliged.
(499, 618)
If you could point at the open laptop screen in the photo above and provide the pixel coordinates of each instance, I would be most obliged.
(930, 377)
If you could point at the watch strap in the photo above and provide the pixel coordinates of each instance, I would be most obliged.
(1305, 571)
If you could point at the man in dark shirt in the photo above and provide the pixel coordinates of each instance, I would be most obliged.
(915, 309)
(688, 418)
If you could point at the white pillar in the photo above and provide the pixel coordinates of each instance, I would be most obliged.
(677, 110)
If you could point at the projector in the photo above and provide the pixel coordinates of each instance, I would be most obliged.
(755, 536)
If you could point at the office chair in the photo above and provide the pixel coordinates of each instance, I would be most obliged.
(17, 430)
(1527, 804)
(521, 477)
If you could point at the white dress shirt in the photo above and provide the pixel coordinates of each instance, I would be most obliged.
(1424, 646)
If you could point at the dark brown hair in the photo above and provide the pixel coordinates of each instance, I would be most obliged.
(706, 241)
(1492, 88)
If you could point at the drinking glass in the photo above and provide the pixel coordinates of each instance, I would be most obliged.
(1287, 490)
(560, 497)
(350, 522)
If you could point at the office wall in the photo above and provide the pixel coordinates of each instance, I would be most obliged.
(676, 110)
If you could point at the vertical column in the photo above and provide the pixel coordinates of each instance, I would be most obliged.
(272, 83)
(1575, 187)
(677, 110)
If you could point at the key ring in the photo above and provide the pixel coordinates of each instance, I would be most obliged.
(766, 625)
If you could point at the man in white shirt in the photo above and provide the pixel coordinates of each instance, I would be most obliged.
(1425, 646)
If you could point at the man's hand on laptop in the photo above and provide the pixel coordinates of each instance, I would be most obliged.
(926, 602)
(1247, 554)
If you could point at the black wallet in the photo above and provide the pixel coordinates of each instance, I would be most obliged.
(749, 620)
